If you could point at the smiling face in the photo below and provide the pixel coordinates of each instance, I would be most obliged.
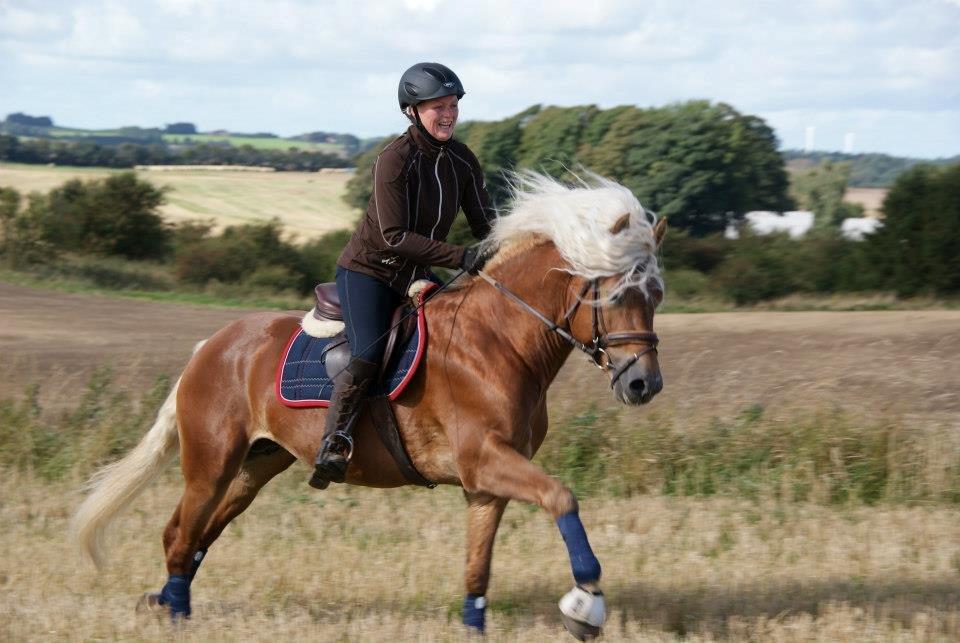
(439, 116)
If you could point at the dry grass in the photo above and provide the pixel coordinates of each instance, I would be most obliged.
(356, 564)
(870, 198)
(308, 203)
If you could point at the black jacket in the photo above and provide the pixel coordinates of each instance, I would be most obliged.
(418, 188)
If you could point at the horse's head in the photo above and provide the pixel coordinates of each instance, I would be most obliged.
(619, 328)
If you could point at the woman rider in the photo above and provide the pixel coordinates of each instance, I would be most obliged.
(420, 182)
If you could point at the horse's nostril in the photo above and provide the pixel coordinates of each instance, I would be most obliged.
(637, 386)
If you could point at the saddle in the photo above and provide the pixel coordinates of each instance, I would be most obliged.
(337, 354)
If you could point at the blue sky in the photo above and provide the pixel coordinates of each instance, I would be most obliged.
(887, 71)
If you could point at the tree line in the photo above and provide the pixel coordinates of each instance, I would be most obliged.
(701, 164)
(126, 154)
(705, 165)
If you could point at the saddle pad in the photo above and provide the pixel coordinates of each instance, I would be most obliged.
(303, 381)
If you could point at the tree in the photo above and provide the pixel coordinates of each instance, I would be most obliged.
(19, 118)
(701, 165)
(20, 237)
(115, 216)
(550, 140)
(919, 242)
(180, 128)
(821, 189)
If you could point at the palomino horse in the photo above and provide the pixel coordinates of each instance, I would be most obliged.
(576, 267)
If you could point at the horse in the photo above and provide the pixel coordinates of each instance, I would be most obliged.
(570, 263)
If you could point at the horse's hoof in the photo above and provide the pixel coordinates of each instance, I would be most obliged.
(580, 631)
(583, 613)
(150, 603)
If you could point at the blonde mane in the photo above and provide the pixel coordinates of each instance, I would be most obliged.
(577, 218)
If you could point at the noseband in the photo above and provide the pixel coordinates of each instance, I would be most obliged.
(602, 339)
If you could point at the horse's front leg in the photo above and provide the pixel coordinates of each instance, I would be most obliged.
(497, 469)
(483, 517)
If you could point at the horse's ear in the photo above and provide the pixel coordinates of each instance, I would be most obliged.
(660, 231)
(621, 224)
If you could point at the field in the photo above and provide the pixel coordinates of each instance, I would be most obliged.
(356, 564)
(870, 198)
(308, 203)
(260, 143)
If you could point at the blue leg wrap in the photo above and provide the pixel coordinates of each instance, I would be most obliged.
(195, 563)
(176, 594)
(586, 567)
(475, 611)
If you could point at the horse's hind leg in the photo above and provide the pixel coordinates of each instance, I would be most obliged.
(209, 463)
(256, 471)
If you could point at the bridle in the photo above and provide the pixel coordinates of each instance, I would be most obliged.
(601, 338)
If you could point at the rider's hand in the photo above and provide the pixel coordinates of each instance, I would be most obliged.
(474, 259)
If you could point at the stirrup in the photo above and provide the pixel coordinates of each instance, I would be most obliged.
(344, 438)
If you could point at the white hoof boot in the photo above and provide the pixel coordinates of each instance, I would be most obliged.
(583, 613)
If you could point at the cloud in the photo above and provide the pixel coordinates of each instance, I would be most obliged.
(315, 64)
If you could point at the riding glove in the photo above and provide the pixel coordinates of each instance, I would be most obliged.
(473, 260)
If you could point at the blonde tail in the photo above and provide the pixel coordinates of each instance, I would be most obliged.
(116, 485)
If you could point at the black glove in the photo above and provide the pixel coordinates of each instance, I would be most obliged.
(473, 260)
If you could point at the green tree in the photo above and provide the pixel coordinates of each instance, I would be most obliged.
(114, 216)
(21, 241)
(821, 189)
(550, 139)
(919, 243)
(701, 165)
(9, 208)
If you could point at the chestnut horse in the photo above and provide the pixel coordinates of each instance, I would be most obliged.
(576, 267)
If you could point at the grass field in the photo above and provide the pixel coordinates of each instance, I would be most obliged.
(308, 203)
(260, 143)
(365, 565)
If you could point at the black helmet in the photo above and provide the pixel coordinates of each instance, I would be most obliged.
(426, 81)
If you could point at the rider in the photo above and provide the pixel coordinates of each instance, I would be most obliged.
(420, 182)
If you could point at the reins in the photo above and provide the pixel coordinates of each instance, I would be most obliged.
(596, 349)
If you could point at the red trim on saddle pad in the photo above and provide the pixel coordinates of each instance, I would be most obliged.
(394, 394)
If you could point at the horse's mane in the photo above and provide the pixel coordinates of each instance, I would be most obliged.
(577, 218)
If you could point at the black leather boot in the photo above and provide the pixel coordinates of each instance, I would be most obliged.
(350, 389)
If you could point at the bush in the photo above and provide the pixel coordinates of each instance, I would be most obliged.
(233, 256)
(318, 258)
(104, 425)
(114, 216)
(920, 240)
(827, 457)
(758, 268)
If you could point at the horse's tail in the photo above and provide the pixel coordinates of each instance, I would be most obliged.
(116, 485)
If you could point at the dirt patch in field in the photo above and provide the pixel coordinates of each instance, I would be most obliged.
(900, 362)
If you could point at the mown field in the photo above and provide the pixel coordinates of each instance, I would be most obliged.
(796, 480)
(258, 142)
(308, 203)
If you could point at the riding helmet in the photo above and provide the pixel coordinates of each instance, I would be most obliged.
(426, 81)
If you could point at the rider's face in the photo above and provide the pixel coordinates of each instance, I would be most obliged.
(439, 116)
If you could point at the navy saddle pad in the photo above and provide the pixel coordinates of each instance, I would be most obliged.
(303, 381)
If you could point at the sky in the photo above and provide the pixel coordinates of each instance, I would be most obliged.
(866, 76)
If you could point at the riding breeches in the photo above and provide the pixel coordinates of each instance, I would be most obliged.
(367, 305)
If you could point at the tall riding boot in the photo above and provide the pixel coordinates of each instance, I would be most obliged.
(349, 390)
